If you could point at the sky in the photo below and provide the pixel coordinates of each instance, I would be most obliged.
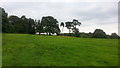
(93, 14)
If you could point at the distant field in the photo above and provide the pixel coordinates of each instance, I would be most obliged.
(37, 50)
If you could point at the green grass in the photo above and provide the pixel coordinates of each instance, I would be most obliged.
(0, 49)
(37, 50)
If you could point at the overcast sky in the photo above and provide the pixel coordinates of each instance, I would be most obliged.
(92, 15)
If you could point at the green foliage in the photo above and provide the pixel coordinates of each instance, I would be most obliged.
(62, 24)
(5, 24)
(76, 22)
(98, 33)
(76, 32)
(14, 24)
(31, 26)
(21, 25)
(75, 29)
(72, 26)
(50, 25)
(37, 50)
(114, 36)
(69, 26)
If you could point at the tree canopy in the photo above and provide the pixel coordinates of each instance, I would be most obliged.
(99, 33)
(114, 36)
(72, 26)
(50, 25)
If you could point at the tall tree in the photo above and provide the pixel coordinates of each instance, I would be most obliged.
(14, 23)
(76, 32)
(50, 25)
(62, 24)
(73, 26)
(31, 26)
(69, 26)
(23, 24)
(5, 24)
(75, 29)
(76, 23)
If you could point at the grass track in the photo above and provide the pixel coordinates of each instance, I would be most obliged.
(37, 50)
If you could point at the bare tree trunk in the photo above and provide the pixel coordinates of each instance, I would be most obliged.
(39, 33)
(47, 33)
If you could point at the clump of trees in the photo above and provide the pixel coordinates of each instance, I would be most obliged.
(48, 25)
(72, 26)
(99, 33)
(14, 24)
(114, 36)
(90, 35)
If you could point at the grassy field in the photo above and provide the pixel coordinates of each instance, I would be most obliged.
(37, 50)
(0, 49)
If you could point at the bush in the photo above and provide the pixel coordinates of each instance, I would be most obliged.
(98, 33)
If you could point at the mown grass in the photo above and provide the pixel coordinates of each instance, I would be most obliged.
(37, 50)
(0, 49)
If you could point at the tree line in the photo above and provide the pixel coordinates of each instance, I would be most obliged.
(48, 25)
(14, 24)
(98, 33)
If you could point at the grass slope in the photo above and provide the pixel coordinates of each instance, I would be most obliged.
(36, 50)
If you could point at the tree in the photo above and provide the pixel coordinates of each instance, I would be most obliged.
(14, 23)
(75, 29)
(39, 27)
(56, 29)
(62, 24)
(69, 26)
(23, 25)
(98, 33)
(73, 26)
(76, 23)
(50, 25)
(5, 24)
(114, 36)
(31, 26)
